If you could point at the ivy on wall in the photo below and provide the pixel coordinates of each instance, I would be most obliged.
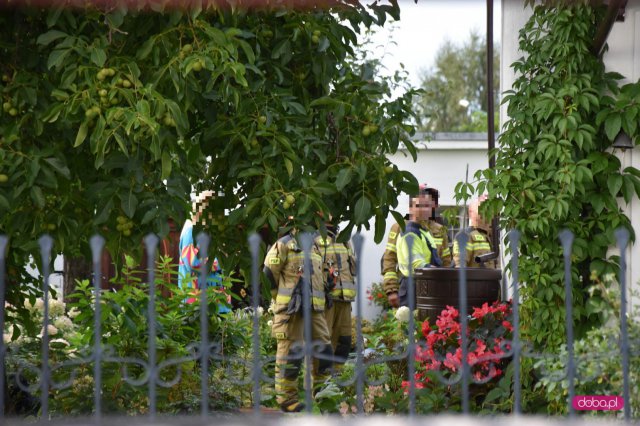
(555, 167)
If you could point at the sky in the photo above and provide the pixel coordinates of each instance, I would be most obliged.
(423, 27)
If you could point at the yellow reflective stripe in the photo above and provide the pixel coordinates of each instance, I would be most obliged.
(438, 241)
(300, 256)
(339, 250)
(481, 246)
(391, 247)
(390, 275)
(446, 252)
(344, 292)
(282, 299)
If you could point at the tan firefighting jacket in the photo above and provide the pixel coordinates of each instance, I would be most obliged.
(479, 243)
(339, 265)
(285, 259)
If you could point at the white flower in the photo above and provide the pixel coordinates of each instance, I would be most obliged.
(270, 323)
(272, 307)
(56, 307)
(27, 304)
(402, 314)
(64, 342)
(6, 337)
(63, 323)
(39, 304)
(260, 311)
(51, 330)
(74, 312)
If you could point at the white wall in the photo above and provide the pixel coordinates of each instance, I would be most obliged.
(441, 163)
(623, 56)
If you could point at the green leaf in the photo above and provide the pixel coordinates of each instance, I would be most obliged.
(362, 210)
(248, 51)
(49, 36)
(612, 126)
(289, 165)
(4, 203)
(149, 215)
(82, 134)
(325, 188)
(381, 226)
(129, 204)
(614, 183)
(324, 44)
(145, 49)
(98, 57)
(166, 165)
(37, 196)
(59, 166)
(343, 178)
(104, 214)
(57, 57)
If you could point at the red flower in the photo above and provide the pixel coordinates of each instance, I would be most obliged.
(426, 328)
(479, 313)
(443, 350)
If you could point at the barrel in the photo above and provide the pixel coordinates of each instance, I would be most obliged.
(437, 288)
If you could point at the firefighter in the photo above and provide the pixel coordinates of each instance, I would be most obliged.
(339, 264)
(284, 268)
(423, 254)
(422, 209)
(479, 242)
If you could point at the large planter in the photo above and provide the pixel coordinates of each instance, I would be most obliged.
(437, 288)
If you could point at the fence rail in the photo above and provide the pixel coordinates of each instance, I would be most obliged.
(207, 352)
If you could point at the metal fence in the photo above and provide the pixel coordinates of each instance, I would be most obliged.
(204, 350)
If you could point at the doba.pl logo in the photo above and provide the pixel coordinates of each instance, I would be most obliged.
(596, 402)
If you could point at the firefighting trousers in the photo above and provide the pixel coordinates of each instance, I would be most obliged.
(339, 324)
(289, 333)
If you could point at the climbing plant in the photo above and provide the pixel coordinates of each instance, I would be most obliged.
(555, 167)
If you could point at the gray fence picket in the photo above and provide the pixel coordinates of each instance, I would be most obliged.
(97, 244)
